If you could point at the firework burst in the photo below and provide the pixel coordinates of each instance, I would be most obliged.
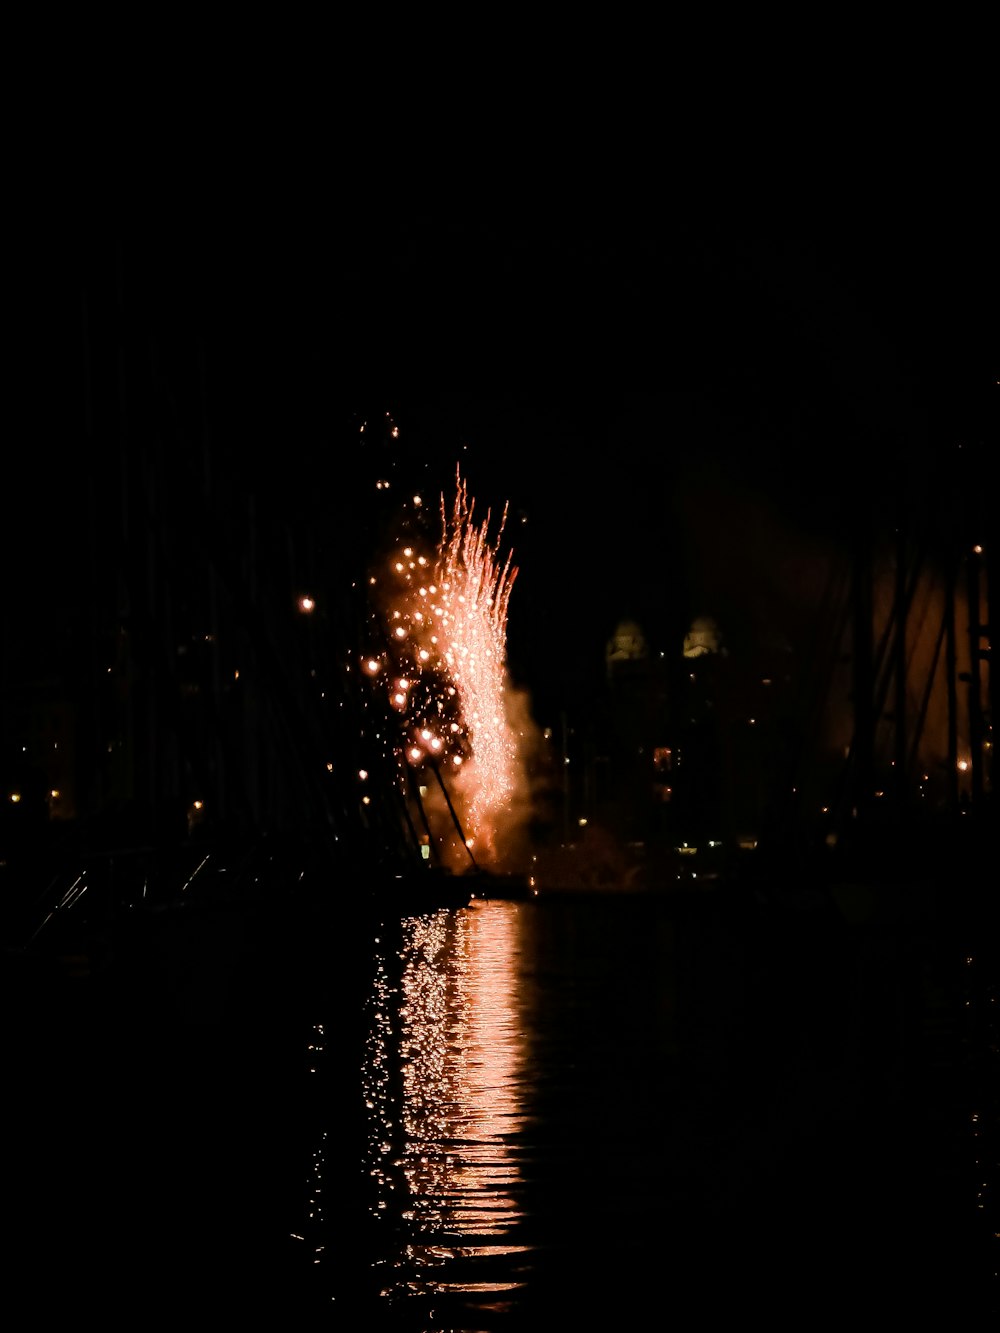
(444, 620)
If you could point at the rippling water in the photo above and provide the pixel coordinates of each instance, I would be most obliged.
(607, 1112)
(576, 1112)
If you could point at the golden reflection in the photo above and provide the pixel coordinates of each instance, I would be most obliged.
(443, 1058)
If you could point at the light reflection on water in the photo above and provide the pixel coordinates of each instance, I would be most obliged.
(440, 1080)
(572, 1109)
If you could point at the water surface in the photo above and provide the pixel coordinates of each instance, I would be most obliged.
(620, 1108)
(597, 1111)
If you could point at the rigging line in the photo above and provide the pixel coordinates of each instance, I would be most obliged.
(195, 873)
(453, 812)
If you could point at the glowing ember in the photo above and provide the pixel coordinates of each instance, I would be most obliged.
(446, 666)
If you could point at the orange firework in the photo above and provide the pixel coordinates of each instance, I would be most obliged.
(445, 666)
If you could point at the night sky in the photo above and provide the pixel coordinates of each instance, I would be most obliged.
(662, 401)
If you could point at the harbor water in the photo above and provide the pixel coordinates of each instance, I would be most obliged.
(615, 1110)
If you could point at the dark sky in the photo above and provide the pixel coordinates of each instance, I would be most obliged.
(653, 395)
(664, 401)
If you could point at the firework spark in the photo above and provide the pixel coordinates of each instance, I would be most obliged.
(445, 666)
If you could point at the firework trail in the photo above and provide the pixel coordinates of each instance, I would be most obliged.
(445, 668)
